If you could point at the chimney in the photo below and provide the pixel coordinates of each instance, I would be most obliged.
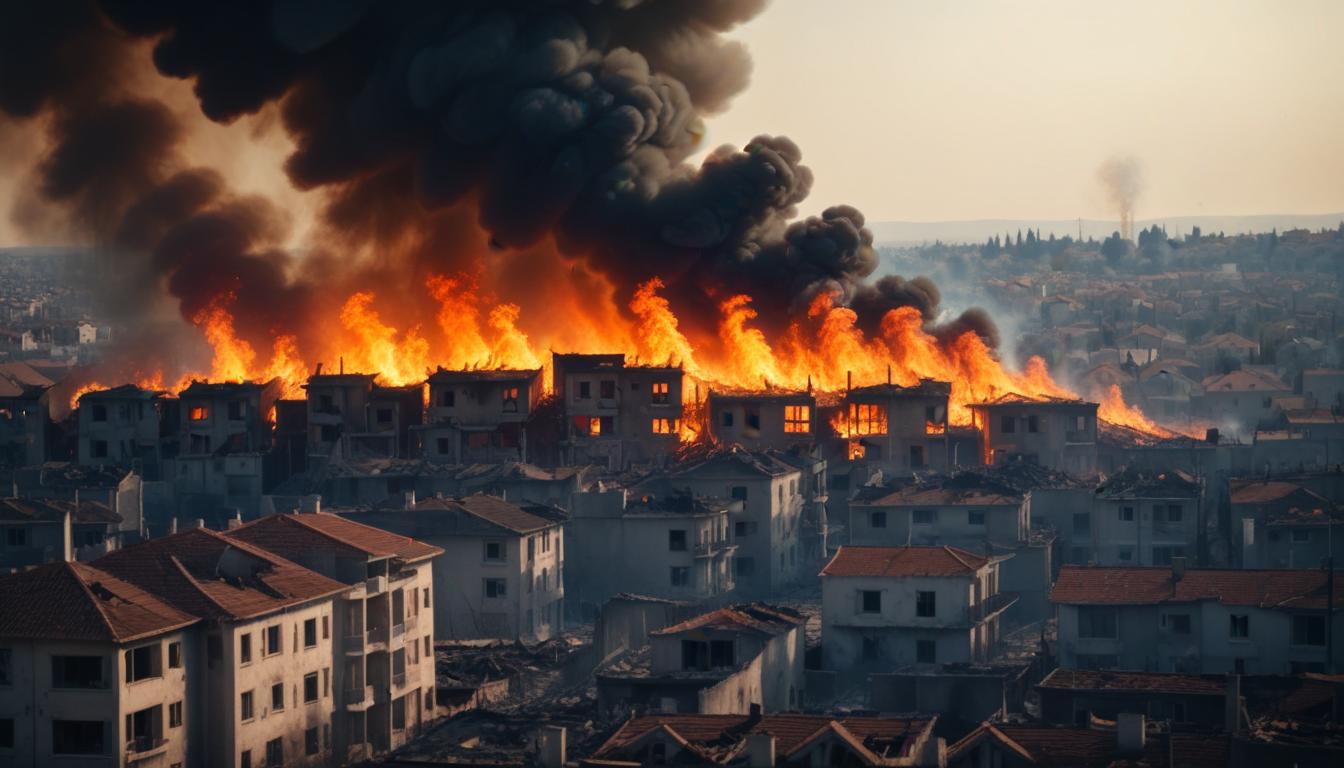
(1177, 568)
(553, 746)
(200, 522)
(236, 521)
(410, 499)
(1232, 706)
(172, 526)
(1130, 732)
(67, 538)
(760, 750)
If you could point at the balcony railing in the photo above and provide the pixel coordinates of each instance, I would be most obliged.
(411, 621)
(144, 746)
(398, 630)
(359, 698)
(376, 635)
(375, 585)
(398, 679)
(988, 607)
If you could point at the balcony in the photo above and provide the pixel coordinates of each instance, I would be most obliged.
(353, 644)
(988, 608)
(398, 630)
(713, 548)
(358, 699)
(411, 622)
(375, 585)
(398, 680)
(144, 748)
(376, 638)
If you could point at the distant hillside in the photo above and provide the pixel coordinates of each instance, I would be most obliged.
(978, 230)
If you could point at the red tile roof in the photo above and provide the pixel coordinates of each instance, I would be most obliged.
(1245, 381)
(903, 561)
(715, 738)
(1090, 585)
(1069, 747)
(1264, 492)
(755, 616)
(491, 509)
(212, 576)
(291, 535)
(52, 510)
(1135, 682)
(75, 601)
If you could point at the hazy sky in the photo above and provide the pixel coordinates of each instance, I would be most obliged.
(917, 110)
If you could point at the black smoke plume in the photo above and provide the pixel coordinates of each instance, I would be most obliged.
(564, 120)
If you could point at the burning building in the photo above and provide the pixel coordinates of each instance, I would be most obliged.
(1058, 433)
(479, 415)
(617, 414)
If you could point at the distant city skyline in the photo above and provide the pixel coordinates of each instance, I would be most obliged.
(973, 110)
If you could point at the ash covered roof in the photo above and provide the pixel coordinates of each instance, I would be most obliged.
(1132, 483)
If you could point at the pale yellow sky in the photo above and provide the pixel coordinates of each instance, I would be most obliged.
(918, 110)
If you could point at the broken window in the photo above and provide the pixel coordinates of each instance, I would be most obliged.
(1033, 423)
(738, 492)
(660, 393)
(98, 449)
(588, 426)
(1007, 424)
(99, 412)
(916, 457)
(143, 663)
(384, 415)
(442, 446)
(868, 418)
(664, 426)
(721, 653)
(237, 410)
(495, 588)
(1309, 630)
(870, 649)
(278, 697)
(510, 404)
(676, 541)
(585, 390)
(726, 418)
(77, 672)
(77, 737)
(447, 398)
(1097, 621)
(926, 652)
(926, 604)
(797, 418)
(199, 412)
(606, 389)
(870, 601)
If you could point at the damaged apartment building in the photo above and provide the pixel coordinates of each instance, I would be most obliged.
(128, 427)
(899, 429)
(479, 416)
(1058, 433)
(352, 415)
(617, 414)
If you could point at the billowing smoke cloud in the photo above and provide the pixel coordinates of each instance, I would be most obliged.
(1122, 178)
(563, 120)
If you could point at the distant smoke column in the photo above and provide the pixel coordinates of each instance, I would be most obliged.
(1122, 176)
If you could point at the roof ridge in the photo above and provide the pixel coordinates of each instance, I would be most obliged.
(196, 586)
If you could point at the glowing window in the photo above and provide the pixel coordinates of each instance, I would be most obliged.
(868, 419)
(797, 419)
(664, 426)
(511, 399)
(660, 393)
(200, 412)
(588, 425)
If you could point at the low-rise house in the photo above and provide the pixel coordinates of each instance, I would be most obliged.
(727, 661)
(479, 416)
(501, 573)
(35, 531)
(897, 429)
(1196, 621)
(1243, 400)
(25, 418)
(1264, 512)
(766, 419)
(1324, 387)
(124, 426)
(815, 534)
(1225, 349)
(671, 545)
(971, 510)
(892, 607)
(95, 671)
(384, 670)
(617, 414)
(1146, 518)
(769, 525)
(1055, 746)
(1058, 433)
(770, 741)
